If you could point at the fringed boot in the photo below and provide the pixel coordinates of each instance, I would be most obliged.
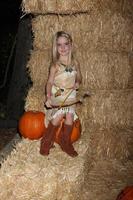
(47, 140)
(65, 140)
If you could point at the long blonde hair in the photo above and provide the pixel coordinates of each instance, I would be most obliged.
(55, 55)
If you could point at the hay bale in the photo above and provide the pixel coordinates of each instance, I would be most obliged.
(103, 54)
(106, 71)
(76, 6)
(112, 144)
(95, 31)
(57, 6)
(114, 69)
(111, 108)
(35, 99)
(38, 66)
(106, 179)
(28, 175)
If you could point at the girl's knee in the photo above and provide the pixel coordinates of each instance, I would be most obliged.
(69, 118)
(56, 121)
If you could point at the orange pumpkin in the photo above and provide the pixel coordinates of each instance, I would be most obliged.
(126, 194)
(31, 125)
(76, 132)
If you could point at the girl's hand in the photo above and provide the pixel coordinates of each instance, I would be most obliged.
(48, 103)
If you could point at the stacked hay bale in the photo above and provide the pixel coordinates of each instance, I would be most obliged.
(103, 43)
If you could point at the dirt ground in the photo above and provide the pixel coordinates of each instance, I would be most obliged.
(8, 139)
(6, 135)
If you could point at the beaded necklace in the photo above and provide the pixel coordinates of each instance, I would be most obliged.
(67, 68)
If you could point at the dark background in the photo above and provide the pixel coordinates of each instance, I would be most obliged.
(10, 12)
(16, 44)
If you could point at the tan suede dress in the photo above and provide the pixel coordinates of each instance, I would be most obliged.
(62, 93)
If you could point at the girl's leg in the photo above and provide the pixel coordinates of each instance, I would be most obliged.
(65, 136)
(69, 118)
(56, 121)
(49, 136)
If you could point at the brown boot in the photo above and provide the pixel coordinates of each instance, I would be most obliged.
(65, 140)
(47, 140)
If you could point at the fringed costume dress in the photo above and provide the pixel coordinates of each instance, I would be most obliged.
(63, 94)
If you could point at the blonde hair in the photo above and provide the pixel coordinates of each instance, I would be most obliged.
(55, 55)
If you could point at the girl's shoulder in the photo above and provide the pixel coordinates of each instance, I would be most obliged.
(59, 66)
(54, 67)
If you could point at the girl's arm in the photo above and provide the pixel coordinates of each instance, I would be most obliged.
(78, 76)
(50, 81)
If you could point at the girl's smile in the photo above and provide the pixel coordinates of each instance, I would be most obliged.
(63, 46)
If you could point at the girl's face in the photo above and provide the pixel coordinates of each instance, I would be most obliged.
(63, 46)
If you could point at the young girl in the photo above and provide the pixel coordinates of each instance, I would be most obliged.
(64, 79)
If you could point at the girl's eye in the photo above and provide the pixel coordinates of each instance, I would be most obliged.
(59, 45)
